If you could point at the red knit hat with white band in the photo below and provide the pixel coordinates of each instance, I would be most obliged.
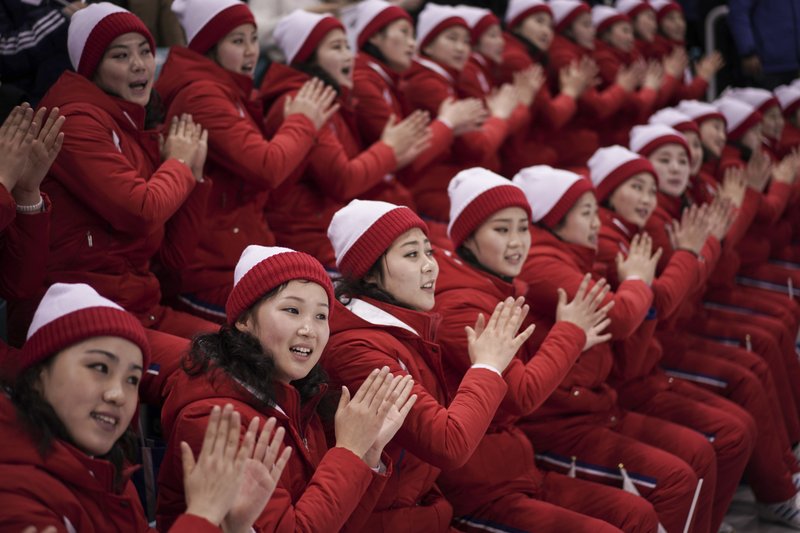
(363, 230)
(612, 166)
(373, 16)
(566, 11)
(699, 111)
(206, 22)
(632, 8)
(664, 7)
(761, 99)
(475, 194)
(670, 116)
(478, 20)
(519, 10)
(92, 29)
(433, 20)
(262, 268)
(71, 313)
(603, 17)
(299, 33)
(739, 116)
(551, 192)
(789, 98)
(648, 138)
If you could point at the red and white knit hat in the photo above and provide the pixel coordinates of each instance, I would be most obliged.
(761, 99)
(664, 7)
(262, 268)
(373, 16)
(478, 20)
(363, 230)
(603, 17)
(433, 20)
(612, 166)
(739, 116)
(93, 28)
(551, 192)
(519, 10)
(648, 138)
(670, 116)
(789, 98)
(566, 11)
(299, 33)
(72, 313)
(475, 194)
(699, 111)
(206, 22)
(633, 7)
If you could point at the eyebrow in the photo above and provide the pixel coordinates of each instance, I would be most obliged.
(113, 357)
(298, 299)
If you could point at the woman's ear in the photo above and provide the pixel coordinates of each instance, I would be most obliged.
(243, 324)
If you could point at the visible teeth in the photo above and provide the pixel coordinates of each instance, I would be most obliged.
(428, 285)
(106, 419)
(303, 351)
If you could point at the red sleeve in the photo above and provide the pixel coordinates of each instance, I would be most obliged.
(21, 511)
(183, 231)
(773, 203)
(24, 248)
(441, 140)
(645, 100)
(744, 218)
(427, 93)
(373, 110)
(237, 144)
(601, 105)
(93, 169)
(680, 276)
(443, 436)
(341, 177)
(666, 92)
(483, 143)
(8, 208)
(187, 523)
(555, 111)
(696, 90)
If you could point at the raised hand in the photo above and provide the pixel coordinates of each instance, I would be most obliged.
(692, 231)
(464, 115)
(16, 140)
(758, 170)
(709, 65)
(573, 81)
(528, 82)
(315, 100)
(641, 261)
(676, 62)
(734, 185)
(786, 170)
(629, 77)
(211, 484)
(402, 137)
(400, 402)
(503, 101)
(721, 216)
(586, 310)
(496, 343)
(653, 75)
(184, 142)
(261, 474)
(43, 151)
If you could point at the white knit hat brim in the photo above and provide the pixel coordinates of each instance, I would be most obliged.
(432, 16)
(81, 25)
(292, 31)
(516, 7)
(253, 255)
(350, 223)
(669, 116)
(193, 15)
(544, 186)
(606, 160)
(64, 298)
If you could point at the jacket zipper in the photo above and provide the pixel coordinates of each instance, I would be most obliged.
(89, 240)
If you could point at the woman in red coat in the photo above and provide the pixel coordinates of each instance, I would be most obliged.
(265, 362)
(123, 202)
(65, 420)
(584, 418)
(339, 166)
(212, 79)
(789, 98)
(489, 229)
(444, 45)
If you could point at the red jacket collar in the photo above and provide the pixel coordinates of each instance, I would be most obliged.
(613, 225)
(544, 242)
(457, 274)
(426, 64)
(626, 58)
(673, 205)
(373, 314)
(390, 76)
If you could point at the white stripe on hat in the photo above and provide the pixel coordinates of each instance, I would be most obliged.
(430, 17)
(352, 221)
(643, 135)
(606, 160)
(64, 298)
(366, 12)
(81, 25)
(193, 15)
(515, 7)
(471, 14)
(695, 108)
(626, 6)
(468, 185)
(253, 255)
(292, 31)
(669, 116)
(601, 13)
(734, 111)
(563, 8)
(787, 95)
(750, 95)
(544, 186)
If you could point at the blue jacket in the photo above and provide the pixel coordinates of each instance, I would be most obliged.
(769, 28)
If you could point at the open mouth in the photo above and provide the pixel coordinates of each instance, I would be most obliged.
(643, 213)
(428, 286)
(247, 69)
(107, 422)
(138, 86)
(514, 258)
(302, 351)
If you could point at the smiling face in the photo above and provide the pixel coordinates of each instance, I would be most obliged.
(713, 135)
(335, 58)
(127, 68)
(583, 32)
(408, 271)
(695, 151)
(772, 123)
(635, 200)
(501, 243)
(451, 47)
(673, 25)
(620, 36)
(581, 225)
(397, 44)
(645, 24)
(93, 388)
(238, 51)
(672, 166)
(537, 29)
(753, 138)
(292, 326)
(491, 44)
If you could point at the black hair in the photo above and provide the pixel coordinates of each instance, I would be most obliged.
(154, 111)
(349, 288)
(44, 426)
(536, 53)
(469, 257)
(745, 152)
(239, 355)
(311, 67)
(374, 51)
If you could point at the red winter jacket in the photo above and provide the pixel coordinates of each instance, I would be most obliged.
(319, 490)
(428, 84)
(638, 106)
(673, 90)
(117, 205)
(440, 433)
(243, 164)
(67, 489)
(378, 93)
(503, 462)
(23, 248)
(338, 168)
